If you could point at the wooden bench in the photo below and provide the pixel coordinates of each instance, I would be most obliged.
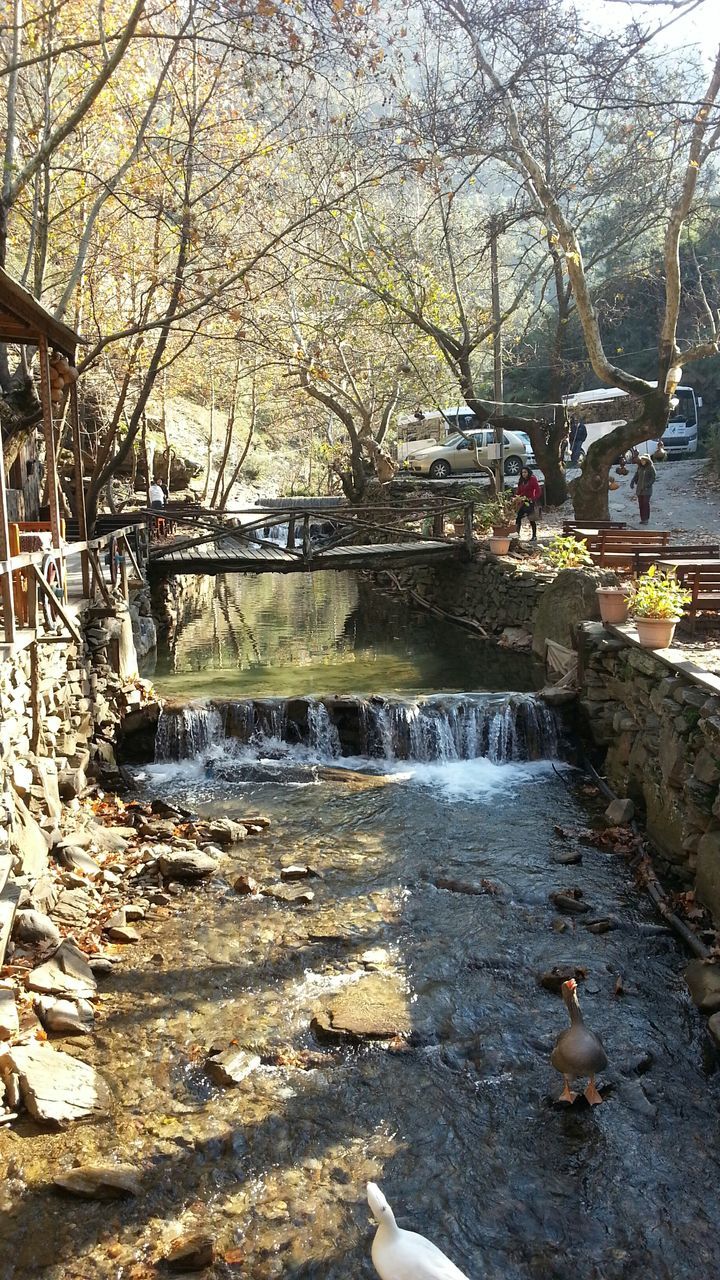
(706, 551)
(617, 548)
(570, 526)
(704, 582)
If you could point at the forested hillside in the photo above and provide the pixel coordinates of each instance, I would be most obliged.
(294, 217)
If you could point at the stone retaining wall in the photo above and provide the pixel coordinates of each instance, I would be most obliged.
(657, 723)
(62, 703)
(503, 592)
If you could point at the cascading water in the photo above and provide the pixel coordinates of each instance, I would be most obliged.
(443, 728)
(186, 732)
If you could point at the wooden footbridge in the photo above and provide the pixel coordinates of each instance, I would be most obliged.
(286, 540)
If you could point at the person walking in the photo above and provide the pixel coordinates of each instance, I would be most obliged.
(529, 493)
(642, 482)
(157, 503)
(578, 436)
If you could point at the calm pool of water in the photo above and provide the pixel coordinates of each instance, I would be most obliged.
(285, 634)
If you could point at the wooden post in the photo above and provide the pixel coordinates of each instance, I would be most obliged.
(18, 594)
(306, 538)
(80, 510)
(439, 522)
(122, 558)
(469, 512)
(290, 544)
(6, 586)
(49, 434)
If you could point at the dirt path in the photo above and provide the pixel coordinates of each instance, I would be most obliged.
(683, 501)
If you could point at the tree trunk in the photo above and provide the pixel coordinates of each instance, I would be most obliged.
(590, 490)
(546, 439)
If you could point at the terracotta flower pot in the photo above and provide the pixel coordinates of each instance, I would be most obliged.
(613, 604)
(499, 545)
(656, 633)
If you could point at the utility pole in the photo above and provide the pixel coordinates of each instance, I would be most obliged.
(495, 229)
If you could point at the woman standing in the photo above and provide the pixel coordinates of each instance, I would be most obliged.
(643, 482)
(529, 493)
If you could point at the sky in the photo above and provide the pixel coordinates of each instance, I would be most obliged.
(700, 28)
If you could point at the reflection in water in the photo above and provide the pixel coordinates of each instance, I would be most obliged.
(283, 634)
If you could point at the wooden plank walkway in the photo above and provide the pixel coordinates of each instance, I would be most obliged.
(233, 555)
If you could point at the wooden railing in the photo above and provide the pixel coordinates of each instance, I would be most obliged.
(349, 525)
(35, 582)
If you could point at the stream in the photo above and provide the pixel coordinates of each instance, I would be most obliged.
(434, 839)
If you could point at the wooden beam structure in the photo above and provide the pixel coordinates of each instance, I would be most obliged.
(24, 321)
(231, 555)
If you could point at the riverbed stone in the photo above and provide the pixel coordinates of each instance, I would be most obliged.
(67, 972)
(297, 871)
(65, 1017)
(245, 884)
(704, 984)
(36, 929)
(192, 1252)
(55, 1088)
(9, 1022)
(620, 812)
(78, 859)
(100, 1182)
(374, 1008)
(232, 1066)
(187, 864)
(223, 831)
(288, 893)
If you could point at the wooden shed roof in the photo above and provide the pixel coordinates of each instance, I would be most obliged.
(24, 319)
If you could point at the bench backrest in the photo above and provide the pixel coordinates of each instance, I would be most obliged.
(643, 559)
(569, 526)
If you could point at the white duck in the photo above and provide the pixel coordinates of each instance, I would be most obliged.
(404, 1255)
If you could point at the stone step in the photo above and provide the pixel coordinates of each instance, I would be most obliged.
(9, 899)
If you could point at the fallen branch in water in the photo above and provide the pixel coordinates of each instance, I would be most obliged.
(469, 623)
(643, 869)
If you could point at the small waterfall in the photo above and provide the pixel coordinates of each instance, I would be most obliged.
(186, 732)
(323, 736)
(444, 727)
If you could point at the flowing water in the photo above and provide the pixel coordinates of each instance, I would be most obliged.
(438, 848)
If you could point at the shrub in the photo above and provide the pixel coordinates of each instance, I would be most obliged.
(567, 553)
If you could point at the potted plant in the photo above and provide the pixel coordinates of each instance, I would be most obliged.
(500, 513)
(656, 607)
(613, 603)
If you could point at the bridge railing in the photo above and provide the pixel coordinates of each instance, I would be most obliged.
(311, 532)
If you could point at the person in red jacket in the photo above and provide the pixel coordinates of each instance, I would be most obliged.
(529, 493)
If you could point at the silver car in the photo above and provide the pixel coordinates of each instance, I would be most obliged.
(457, 454)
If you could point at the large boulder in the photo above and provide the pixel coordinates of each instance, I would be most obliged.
(566, 602)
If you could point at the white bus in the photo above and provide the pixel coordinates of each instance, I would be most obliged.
(601, 411)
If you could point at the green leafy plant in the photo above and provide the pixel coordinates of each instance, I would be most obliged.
(658, 594)
(501, 510)
(567, 553)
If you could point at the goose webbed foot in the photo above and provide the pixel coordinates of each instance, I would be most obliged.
(592, 1094)
(567, 1094)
